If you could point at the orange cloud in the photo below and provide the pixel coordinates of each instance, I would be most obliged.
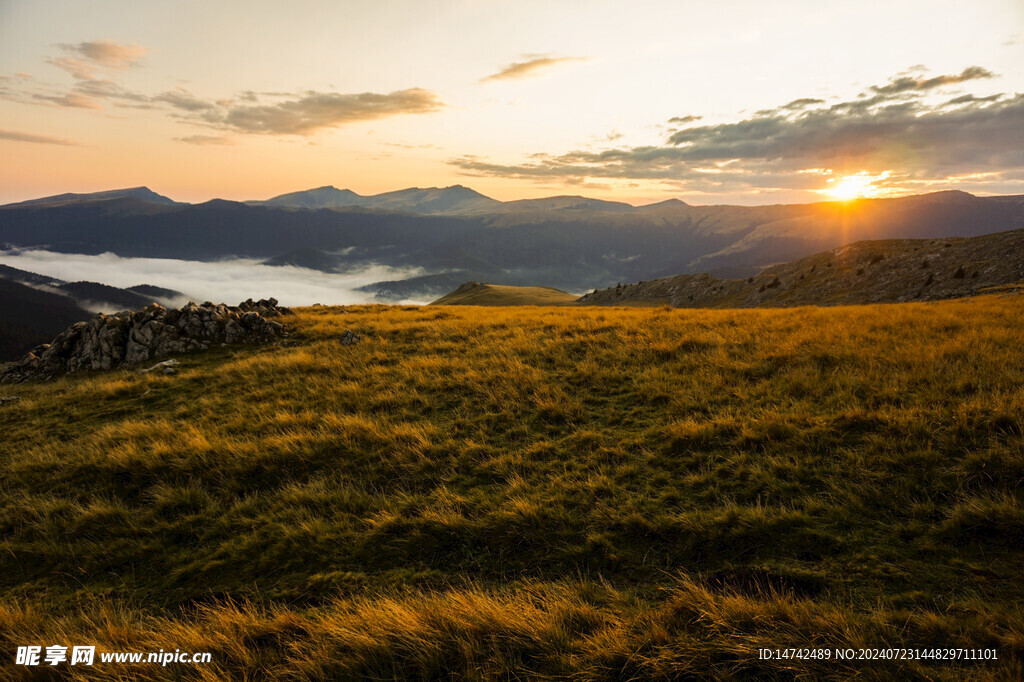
(315, 111)
(15, 136)
(85, 58)
(529, 68)
(205, 139)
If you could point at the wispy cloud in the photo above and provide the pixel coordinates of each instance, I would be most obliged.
(910, 83)
(314, 111)
(802, 103)
(15, 136)
(83, 59)
(205, 139)
(184, 100)
(891, 127)
(92, 64)
(107, 89)
(529, 68)
(71, 100)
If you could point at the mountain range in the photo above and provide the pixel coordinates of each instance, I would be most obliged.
(454, 234)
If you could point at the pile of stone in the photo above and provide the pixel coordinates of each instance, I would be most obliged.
(128, 338)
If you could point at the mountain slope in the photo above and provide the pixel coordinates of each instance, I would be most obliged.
(140, 193)
(106, 296)
(321, 197)
(433, 201)
(158, 294)
(567, 203)
(29, 317)
(796, 233)
(26, 277)
(423, 288)
(863, 272)
(477, 293)
(93, 295)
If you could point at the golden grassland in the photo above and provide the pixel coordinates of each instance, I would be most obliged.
(533, 493)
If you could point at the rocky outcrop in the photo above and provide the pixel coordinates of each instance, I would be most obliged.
(128, 338)
(349, 338)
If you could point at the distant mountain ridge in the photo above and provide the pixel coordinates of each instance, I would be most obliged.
(321, 197)
(430, 201)
(449, 235)
(143, 193)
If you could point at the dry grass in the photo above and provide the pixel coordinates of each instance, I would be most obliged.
(572, 631)
(535, 493)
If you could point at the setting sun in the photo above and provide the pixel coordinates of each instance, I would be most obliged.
(852, 187)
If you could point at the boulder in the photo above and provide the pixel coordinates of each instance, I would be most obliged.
(349, 337)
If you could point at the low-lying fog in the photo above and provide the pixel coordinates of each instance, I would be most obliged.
(229, 281)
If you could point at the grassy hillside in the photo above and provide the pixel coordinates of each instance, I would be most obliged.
(477, 293)
(889, 271)
(534, 493)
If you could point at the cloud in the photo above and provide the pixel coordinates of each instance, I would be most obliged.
(802, 103)
(272, 113)
(71, 100)
(76, 67)
(108, 53)
(909, 83)
(891, 129)
(98, 89)
(963, 99)
(314, 111)
(36, 139)
(184, 100)
(529, 68)
(227, 281)
(684, 119)
(83, 59)
(86, 57)
(205, 139)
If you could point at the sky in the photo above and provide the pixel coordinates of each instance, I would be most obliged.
(733, 101)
